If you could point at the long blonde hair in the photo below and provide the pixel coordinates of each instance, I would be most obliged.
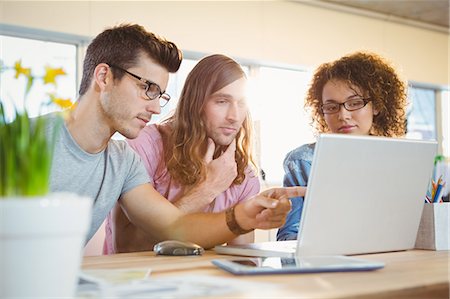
(187, 142)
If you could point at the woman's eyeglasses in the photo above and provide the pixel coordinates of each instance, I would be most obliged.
(350, 105)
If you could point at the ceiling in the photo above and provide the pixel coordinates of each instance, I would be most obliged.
(434, 13)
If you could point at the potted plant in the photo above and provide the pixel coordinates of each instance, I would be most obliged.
(41, 234)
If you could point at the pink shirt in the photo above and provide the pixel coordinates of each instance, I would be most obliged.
(149, 146)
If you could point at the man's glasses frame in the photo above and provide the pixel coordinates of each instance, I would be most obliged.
(152, 91)
(349, 105)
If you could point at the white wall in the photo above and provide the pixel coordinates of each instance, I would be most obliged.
(283, 32)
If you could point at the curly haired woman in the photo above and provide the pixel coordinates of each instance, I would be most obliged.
(358, 94)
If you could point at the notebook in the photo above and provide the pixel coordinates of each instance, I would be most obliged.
(365, 194)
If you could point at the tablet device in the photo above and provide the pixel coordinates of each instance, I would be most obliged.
(310, 264)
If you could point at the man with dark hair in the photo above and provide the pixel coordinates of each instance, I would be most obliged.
(125, 75)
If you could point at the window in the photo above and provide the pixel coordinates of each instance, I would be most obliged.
(277, 108)
(445, 114)
(36, 55)
(174, 88)
(276, 105)
(421, 113)
(276, 102)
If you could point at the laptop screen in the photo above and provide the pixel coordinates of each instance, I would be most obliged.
(365, 194)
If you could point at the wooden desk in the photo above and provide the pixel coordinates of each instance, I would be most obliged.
(407, 274)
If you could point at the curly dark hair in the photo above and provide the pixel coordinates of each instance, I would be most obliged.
(376, 78)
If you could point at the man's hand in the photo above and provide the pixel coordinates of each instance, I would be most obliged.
(221, 171)
(220, 174)
(268, 209)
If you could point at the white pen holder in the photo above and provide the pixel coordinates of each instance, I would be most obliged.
(434, 228)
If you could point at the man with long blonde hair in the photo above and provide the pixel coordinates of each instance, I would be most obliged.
(199, 158)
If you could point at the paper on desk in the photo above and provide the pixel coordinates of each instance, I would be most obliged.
(113, 276)
(113, 282)
(182, 286)
(194, 286)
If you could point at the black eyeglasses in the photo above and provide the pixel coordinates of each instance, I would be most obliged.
(152, 90)
(350, 105)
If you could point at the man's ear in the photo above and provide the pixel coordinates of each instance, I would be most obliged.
(102, 75)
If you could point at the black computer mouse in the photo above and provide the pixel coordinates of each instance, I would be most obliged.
(173, 247)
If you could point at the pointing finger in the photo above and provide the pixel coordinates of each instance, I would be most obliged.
(286, 191)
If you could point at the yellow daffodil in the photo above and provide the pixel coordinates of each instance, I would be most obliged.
(63, 103)
(51, 74)
(20, 70)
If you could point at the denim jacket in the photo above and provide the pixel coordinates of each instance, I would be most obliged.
(297, 166)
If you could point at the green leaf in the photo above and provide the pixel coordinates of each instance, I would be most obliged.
(26, 150)
(29, 84)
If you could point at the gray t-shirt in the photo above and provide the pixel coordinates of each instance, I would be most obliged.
(104, 176)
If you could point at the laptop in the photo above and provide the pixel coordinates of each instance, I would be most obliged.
(365, 195)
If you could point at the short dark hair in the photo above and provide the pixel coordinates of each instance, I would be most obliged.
(122, 45)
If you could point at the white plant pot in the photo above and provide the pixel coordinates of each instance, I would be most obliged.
(41, 244)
